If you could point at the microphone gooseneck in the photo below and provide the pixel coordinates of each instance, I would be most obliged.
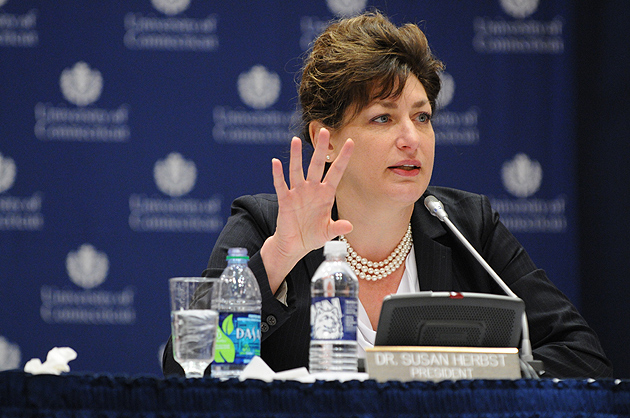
(435, 207)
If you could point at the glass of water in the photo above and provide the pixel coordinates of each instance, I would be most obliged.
(193, 323)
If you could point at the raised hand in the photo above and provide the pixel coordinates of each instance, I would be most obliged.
(304, 206)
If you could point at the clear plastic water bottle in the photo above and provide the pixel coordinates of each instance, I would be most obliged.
(238, 301)
(334, 310)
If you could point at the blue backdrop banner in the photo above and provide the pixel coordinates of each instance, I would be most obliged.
(128, 127)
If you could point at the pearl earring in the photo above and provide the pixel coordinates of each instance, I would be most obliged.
(328, 158)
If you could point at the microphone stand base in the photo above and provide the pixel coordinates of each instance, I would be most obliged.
(538, 366)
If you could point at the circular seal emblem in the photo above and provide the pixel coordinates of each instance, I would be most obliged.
(7, 173)
(171, 7)
(346, 8)
(259, 88)
(87, 267)
(521, 176)
(80, 84)
(447, 90)
(519, 9)
(175, 176)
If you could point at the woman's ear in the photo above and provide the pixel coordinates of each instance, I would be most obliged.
(313, 129)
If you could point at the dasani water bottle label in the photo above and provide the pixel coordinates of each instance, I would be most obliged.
(238, 338)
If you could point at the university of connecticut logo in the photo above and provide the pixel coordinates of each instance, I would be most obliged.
(519, 9)
(10, 355)
(522, 176)
(7, 173)
(175, 176)
(447, 90)
(259, 88)
(346, 8)
(87, 267)
(80, 84)
(171, 7)
(327, 319)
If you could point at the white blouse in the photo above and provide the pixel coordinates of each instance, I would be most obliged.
(408, 284)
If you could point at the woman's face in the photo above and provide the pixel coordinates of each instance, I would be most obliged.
(394, 149)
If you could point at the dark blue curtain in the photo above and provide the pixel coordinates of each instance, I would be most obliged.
(603, 136)
(128, 127)
(124, 137)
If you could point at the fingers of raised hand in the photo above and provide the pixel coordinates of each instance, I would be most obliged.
(296, 172)
(278, 177)
(316, 166)
(338, 167)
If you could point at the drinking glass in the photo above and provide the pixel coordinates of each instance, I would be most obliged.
(193, 323)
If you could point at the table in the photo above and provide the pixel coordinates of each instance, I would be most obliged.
(103, 395)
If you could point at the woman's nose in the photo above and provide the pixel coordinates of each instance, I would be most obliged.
(409, 136)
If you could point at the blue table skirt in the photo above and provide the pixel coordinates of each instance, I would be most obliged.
(82, 395)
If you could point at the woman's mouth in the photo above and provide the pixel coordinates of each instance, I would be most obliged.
(405, 169)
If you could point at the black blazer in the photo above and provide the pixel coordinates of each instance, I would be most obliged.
(560, 337)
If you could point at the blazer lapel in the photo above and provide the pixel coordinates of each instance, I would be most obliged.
(433, 259)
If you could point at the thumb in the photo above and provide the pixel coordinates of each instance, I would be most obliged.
(340, 227)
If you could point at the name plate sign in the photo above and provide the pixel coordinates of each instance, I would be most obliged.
(441, 363)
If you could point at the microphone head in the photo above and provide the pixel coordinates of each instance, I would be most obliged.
(435, 208)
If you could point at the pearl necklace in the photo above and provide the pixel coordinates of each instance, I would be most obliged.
(376, 270)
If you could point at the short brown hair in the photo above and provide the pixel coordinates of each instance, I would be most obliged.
(360, 59)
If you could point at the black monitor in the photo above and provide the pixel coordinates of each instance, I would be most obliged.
(450, 319)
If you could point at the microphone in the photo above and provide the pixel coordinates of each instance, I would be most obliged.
(435, 207)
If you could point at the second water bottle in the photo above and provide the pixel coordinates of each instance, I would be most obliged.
(334, 310)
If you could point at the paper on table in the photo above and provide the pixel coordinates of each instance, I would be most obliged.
(258, 369)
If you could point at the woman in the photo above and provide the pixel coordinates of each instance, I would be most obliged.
(367, 92)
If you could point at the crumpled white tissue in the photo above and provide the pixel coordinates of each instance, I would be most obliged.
(56, 362)
(258, 369)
